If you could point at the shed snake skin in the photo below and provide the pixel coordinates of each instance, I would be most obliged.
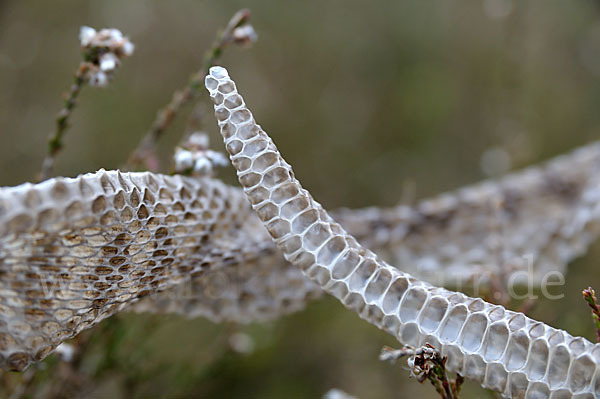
(503, 350)
(75, 251)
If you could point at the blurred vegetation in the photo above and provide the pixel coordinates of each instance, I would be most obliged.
(364, 98)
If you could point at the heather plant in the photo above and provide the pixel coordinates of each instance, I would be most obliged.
(104, 243)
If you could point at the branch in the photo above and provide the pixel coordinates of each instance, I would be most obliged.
(426, 363)
(55, 141)
(589, 295)
(102, 52)
(238, 31)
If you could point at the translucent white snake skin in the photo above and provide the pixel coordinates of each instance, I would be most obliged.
(74, 251)
(503, 350)
(547, 213)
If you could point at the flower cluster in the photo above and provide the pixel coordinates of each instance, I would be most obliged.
(239, 30)
(424, 360)
(103, 51)
(194, 157)
(589, 295)
(244, 35)
(426, 363)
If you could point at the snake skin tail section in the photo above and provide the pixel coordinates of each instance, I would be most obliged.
(503, 350)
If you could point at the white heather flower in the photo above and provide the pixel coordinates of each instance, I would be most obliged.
(66, 351)
(111, 40)
(195, 157)
(203, 166)
(103, 52)
(98, 79)
(184, 160)
(115, 34)
(127, 48)
(86, 34)
(217, 158)
(108, 62)
(105, 38)
(197, 141)
(244, 34)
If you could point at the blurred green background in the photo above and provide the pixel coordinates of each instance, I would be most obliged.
(372, 102)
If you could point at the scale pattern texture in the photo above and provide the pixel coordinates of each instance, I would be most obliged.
(455, 239)
(543, 216)
(75, 251)
(258, 289)
(503, 350)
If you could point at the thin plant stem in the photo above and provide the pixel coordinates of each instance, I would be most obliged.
(457, 385)
(55, 141)
(439, 379)
(102, 51)
(426, 363)
(589, 295)
(144, 155)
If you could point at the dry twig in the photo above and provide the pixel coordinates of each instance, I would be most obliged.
(426, 363)
(589, 295)
(238, 31)
(102, 52)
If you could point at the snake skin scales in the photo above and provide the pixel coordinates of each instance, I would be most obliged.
(503, 350)
(75, 251)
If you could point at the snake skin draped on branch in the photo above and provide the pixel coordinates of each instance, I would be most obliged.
(503, 350)
(74, 251)
(456, 239)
